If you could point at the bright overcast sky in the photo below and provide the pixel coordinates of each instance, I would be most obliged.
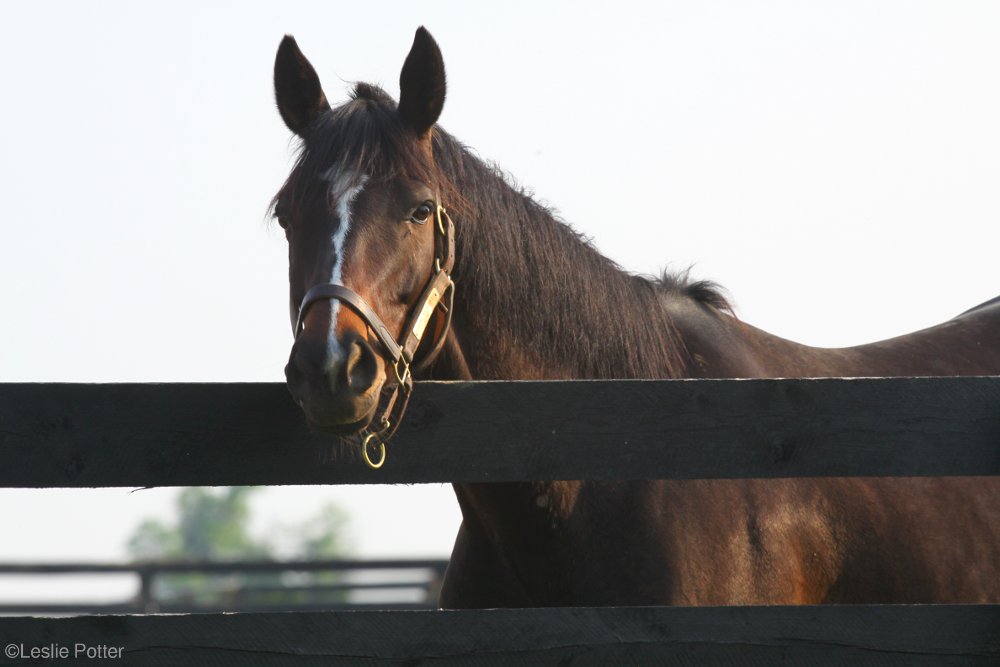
(835, 165)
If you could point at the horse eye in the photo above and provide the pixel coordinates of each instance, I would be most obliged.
(280, 214)
(422, 213)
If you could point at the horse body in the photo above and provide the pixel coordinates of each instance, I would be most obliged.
(781, 541)
(536, 301)
(722, 541)
(717, 542)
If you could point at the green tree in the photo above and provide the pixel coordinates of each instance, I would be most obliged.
(319, 537)
(213, 525)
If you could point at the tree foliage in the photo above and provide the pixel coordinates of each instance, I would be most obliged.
(214, 525)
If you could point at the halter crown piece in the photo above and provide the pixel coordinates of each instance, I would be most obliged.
(438, 294)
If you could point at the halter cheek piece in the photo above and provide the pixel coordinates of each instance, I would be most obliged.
(439, 293)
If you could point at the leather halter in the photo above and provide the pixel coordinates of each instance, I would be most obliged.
(439, 293)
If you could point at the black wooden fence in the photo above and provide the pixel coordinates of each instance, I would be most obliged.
(209, 434)
(242, 586)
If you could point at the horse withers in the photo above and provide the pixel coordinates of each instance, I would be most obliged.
(409, 256)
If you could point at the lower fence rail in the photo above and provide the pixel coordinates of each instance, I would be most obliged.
(236, 586)
(816, 635)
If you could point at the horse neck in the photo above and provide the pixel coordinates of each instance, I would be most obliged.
(535, 300)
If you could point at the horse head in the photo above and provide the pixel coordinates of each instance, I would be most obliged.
(370, 245)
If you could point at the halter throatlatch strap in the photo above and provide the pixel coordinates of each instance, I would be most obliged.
(438, 295)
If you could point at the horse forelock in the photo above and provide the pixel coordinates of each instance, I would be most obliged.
(363, 136)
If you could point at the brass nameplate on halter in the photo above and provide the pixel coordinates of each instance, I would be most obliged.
(425, 315)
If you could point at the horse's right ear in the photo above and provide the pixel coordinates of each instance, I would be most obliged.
(296, 88)
(422, 84)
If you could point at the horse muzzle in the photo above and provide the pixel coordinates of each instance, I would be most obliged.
(336, 381)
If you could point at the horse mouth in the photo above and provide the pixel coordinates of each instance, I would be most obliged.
(325, 427)
(326, 419)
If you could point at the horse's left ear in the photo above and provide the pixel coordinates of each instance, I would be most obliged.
(421, 84)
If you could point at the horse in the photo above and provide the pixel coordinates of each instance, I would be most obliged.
(381, 197)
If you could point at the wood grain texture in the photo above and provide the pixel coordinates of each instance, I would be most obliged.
(829, 635)
(78, 435)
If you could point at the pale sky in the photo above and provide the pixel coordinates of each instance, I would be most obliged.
(835, 166)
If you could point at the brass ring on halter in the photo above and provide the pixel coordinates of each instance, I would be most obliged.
(374, 465)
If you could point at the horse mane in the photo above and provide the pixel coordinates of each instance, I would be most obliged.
(536, 268)
(544, 286)
(704, 292)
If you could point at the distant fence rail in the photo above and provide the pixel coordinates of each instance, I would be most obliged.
(245, 586)
(208, 434)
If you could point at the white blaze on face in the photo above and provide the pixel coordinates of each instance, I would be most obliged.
(345, 188)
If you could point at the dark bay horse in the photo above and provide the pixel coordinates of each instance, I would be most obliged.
(535, 301)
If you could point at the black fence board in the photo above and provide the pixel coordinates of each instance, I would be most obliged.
(396, 583)
(224, 567)
(70, 435)
(830, 635)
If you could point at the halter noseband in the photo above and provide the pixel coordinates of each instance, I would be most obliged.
(438, 293)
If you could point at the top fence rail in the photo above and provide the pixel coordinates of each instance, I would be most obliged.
(108, 435)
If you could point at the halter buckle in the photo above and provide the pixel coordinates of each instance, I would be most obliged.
(405, 376)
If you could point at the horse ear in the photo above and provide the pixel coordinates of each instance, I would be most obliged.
(296, 87)
(422, 84)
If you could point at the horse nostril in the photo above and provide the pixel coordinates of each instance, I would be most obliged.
(361, 366)
(307, 357)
